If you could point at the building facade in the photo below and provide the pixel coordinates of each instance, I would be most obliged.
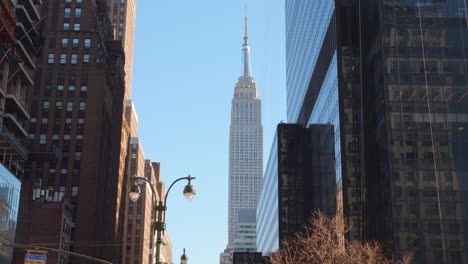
(19, 43)
(246, 239)
(138, 227)
(300, 179)
(249, 258)
(390, 76)
(77, 106)
(10, 188)
(245, 145)
(268, 205)
(123, 15)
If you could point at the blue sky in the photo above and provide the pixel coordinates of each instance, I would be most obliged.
(187, 60)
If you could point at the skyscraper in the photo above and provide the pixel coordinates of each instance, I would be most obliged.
(391, 77)
(301, 167)
(77, 106)
(245, 145)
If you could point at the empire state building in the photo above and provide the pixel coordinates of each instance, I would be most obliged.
(245, 157)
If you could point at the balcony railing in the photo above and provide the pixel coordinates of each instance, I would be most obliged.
(15, 143)
(12, 89)
(45, 152)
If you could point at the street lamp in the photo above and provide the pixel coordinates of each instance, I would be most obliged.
(160, 225)
(183, 258)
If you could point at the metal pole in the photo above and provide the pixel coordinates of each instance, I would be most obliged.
(160, 209)
(159, 228)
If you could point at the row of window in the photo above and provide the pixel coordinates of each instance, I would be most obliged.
(64, 58)
(68, 12)
(76, 42)
(55, 137)
(70, 1)
(58, 104)
(43, 140)
(67, 27)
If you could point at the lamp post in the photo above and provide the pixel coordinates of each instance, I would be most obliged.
(183, 258)
(160, 209)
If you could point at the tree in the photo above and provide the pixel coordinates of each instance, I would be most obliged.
(322, 242)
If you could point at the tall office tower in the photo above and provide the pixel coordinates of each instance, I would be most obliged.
(245, 145)
(76, 104)
(123, 13)
(19, 42)
(390, 76)
(301, 167)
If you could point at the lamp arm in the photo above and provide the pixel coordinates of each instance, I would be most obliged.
(150, 184)
(189, 178)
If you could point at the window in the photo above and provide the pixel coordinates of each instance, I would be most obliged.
(75, 43)
(78, 1)
(69, 106)
(84, 89)
(87, 43)
(120, 33)
(77, 12)
(77, 155)
(60, 89)
(66, 26)
(67, 12)
(68, 1)
(86, 58)
(51, 58)
(42, 139)
(64, 42)
(71, 88)
(74, 58)
(45, 104)
(63, 171)
(75, 191)
(76, 27)
(58, 104)
(63, 58)
(82, 105)
(44, 120)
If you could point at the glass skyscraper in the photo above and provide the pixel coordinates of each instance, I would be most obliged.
(391, 76)
(302, 170)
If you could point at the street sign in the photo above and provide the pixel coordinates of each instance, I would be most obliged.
(35, 257)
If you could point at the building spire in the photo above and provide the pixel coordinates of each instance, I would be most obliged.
(246, 50)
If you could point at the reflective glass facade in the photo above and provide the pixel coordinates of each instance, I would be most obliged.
(416, 109)
(10, 188)
(267, 208)
(300, 178)
(305, 34)
(391, 77)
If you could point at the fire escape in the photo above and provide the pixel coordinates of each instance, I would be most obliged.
(19, 40)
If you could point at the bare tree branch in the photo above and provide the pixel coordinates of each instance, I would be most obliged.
(322, 242)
